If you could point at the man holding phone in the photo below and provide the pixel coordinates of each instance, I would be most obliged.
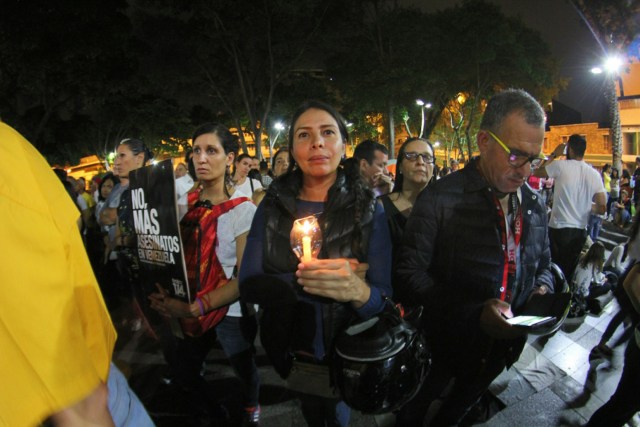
(476, 249)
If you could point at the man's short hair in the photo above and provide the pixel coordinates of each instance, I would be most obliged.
(509, 101)
(367, 150)
(577, 144)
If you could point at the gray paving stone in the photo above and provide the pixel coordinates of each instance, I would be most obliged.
(542, 409)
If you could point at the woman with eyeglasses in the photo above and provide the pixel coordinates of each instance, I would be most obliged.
(414, 171)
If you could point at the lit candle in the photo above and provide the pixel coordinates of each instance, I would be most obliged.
(306, 242)
(306, 248)
(305, 238)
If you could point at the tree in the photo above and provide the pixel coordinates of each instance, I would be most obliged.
(239, 52)
(477, 64)
(56, 61)
(613, 23)
(374, 55)
(396, 55)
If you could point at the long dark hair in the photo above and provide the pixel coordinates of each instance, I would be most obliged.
(228, 141)
(136, 146)
(108, 176)
(595, 255)
(363, 195)
(617, 175)
(399, 181)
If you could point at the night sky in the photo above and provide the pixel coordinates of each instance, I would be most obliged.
(570, 41)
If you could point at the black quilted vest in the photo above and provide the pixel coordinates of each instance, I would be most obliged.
(340, 236)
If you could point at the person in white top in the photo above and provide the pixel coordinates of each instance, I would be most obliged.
(214, 149)
(184, 183)
(589, 280)
(578, 193)
(241, 180)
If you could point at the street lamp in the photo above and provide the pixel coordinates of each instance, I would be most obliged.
(423, 106)
(612, 66)
(279, 127)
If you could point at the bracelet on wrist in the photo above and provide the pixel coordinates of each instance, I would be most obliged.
(200, 306)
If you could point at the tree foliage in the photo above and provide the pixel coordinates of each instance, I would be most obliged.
(70, 78)
(240, 54)
(75, 80)
(614, 24)
(393, 56)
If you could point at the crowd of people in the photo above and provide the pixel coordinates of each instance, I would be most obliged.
(471, 246)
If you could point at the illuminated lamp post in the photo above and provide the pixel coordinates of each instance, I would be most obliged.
(423, 106)
(611, 69)
(279, 127)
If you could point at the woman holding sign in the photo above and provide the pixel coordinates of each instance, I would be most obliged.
(308, 297)
(214, 232)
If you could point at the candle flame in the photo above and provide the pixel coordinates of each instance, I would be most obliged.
(306, 227)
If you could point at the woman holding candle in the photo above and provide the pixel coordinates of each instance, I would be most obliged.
(307, 302)
(214, 231)
(414, 168)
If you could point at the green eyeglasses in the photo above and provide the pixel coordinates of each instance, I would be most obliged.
(518, 159)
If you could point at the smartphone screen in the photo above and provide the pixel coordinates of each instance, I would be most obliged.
(530, 321)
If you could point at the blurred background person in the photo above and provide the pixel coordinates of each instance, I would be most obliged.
(241, 179)
(414, 171)
(280, 162)
(184, 183)
(371, 158)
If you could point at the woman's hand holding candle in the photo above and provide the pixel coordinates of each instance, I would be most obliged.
(339, 279)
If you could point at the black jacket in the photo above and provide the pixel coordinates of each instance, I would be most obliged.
(288, 327)
(452, 260)
(341, 238)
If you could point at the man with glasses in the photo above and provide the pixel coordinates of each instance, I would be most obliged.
(578, 192)
(475, 250)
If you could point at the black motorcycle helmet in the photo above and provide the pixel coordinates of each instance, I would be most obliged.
(379, 364)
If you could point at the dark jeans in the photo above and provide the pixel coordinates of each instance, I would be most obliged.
(236, 335)
(624, 403)
(566, 244)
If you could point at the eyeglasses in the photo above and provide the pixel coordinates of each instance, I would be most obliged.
(412, 157)
(518, 159)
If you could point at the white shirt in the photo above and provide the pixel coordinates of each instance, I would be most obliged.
(231, 225)
(583, 277)
(183, 185)
(575, 185)
(245, 187)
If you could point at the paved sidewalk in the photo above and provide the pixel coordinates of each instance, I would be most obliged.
(549, 386)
